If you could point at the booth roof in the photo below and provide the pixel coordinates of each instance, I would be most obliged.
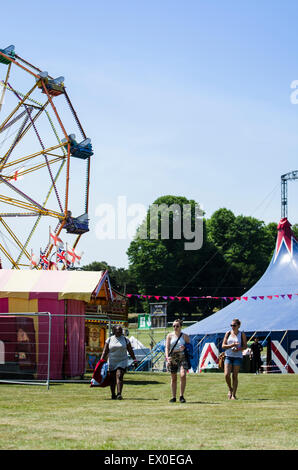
(25, 284)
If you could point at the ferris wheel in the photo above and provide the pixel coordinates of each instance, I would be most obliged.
(44, 168)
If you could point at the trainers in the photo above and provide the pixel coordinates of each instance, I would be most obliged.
(182, 400)
(173, 400)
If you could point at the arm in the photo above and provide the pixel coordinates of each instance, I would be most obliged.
(167, 348)
(130, 351)
(105, 352)
(244, 342)
(186, 338)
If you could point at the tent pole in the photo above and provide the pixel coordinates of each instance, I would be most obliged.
(251, 337)
(283, 337)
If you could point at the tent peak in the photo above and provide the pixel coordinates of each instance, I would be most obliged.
(284, 235)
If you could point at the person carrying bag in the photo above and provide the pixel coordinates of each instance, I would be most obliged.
(176, 359)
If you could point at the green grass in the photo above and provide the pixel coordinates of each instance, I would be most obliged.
(75, 416)
(144, 336)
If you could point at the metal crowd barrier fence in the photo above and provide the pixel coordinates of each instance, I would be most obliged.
(24, 358)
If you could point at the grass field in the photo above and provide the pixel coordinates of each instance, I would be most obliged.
(75, 416)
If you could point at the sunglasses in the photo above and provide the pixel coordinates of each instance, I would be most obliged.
(234, 325)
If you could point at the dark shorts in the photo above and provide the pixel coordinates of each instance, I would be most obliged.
(233, 361)
(117, 368)
(177, 360)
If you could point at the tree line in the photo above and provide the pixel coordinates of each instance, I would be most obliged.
(235, 253)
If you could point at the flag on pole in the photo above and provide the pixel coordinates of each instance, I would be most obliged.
(33, 260)
(44, 262)
(70, 255)
(55, 240)
(61, 256)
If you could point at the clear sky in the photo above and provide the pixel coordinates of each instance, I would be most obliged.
(190, 98)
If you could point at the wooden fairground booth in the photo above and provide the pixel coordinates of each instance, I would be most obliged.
(83, 307)
(106, 309)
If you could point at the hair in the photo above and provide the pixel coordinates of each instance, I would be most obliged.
(115, 327)
(237, 320)
(179, 321)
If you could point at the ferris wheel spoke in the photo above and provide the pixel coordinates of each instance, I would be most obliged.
(40, 217)
(43, 147)
(33, 155)
(8, 256)
(14, 237)
(4, 89)
(13, 121)
(25, 196)
(14, 144)
(29, 207)
(17, 107)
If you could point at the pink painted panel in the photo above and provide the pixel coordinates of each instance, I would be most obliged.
(56, 308)
(75, 363)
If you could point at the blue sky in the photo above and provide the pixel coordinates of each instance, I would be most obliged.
(190, 98)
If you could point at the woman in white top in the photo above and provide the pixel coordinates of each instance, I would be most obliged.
(115, 349)
(233, 343)
(176, 360)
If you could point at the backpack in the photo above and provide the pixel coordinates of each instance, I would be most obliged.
(188, 352)
(101, 376)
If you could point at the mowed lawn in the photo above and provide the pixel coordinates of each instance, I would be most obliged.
(75, 416)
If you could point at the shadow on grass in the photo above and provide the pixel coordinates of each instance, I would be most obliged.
(255, 399)
(202, 403)
(142, 382)
(133, 399)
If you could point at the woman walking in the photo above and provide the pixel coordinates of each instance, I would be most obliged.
(176, 360)
(115, 349)
(233, 343)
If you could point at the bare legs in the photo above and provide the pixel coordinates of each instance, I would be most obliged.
(116, 381)
(182, 383)
(232, 386)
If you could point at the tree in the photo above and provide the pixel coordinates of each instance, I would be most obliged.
(246, 243)
(164, 267)
(121, 278)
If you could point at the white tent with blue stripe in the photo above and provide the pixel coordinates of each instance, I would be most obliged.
(268, 310)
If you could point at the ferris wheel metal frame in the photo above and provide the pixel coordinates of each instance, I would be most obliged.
(31, 110)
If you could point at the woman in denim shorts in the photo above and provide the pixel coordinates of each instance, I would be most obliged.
(176, 360)
(233, 343)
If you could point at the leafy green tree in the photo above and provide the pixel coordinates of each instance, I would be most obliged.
(163, 266)
(246, 243)
(121, 278)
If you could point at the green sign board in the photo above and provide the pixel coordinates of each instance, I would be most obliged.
(144, 322)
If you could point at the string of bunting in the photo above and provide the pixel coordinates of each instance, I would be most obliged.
(245, 298)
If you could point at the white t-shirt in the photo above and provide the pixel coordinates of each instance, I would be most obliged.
(181, 342)
(232, 339)
(117, 352)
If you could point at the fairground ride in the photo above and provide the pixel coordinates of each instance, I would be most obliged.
(44, 169)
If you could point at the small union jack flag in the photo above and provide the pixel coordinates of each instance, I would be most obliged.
(61, 256)
(43, 260)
